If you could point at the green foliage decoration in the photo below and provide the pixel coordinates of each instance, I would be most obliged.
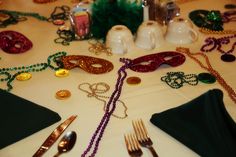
(107, 13)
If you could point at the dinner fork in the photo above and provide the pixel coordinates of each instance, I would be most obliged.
(132, 145)
(142, 136)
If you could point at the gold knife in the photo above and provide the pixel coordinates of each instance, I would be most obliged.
(54, 136)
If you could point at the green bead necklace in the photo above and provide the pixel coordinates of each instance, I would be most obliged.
(5, 73)
(8, 17)
(16, 14)
(177, 79)
(207, 19)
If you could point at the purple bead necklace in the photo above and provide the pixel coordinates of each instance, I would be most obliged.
(171, 58)
(217, 44)
(227, 16)
(110, 108)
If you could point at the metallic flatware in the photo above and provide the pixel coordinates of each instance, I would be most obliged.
(142, 136)
(54, 136)
(66, 143)
(132, 145)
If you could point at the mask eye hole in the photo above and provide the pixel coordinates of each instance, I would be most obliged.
(73, 61)
(146, 63)
(96, 65)
(167, 58)
(17, 45)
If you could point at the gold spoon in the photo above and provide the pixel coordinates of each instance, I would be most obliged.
(66, 143)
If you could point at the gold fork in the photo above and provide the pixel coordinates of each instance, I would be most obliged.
(142, 136)
(132, 145)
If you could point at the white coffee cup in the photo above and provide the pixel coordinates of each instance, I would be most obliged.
(120, 39)
(180, 31)
(149, 35)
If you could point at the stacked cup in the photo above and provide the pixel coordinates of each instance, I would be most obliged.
(150, 35)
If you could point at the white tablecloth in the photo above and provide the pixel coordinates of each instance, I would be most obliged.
(151, 96)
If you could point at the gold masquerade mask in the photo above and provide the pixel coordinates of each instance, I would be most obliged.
(89, 64)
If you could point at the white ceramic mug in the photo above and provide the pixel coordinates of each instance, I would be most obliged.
(180, 31)
(149, 35)
(120, 39)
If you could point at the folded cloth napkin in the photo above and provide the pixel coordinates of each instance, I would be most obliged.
(202, 124)
(20, 118)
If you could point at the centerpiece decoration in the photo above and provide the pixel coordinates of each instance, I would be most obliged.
(108, 13)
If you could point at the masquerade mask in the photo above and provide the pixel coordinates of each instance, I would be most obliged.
(89, 64)
(14, 42)
(151, 62)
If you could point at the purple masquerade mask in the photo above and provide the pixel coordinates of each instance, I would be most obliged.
(151, 62)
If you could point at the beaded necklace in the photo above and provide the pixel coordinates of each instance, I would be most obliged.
(13, 17)
(177, 79)
(43, 1)
(212, 20)
(94, 90)
(176, 59)
(217, 44)
(227, 16)
(8, 17)
(223, 32)
(6, 75)
(98, 47)
(110, 108)
(208, 19)
(210, 69)
(59, 13)
(183, 1)
(230, 6)
(65, 36)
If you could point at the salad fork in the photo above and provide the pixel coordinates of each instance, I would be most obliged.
(132, 145)
(142, 136)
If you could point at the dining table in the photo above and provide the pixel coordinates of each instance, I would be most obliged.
(135, 100)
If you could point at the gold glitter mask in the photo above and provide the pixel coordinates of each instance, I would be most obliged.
(89, 64)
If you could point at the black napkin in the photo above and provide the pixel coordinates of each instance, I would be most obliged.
(202, 124)
(20, 118)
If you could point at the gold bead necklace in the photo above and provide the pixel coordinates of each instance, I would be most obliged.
(208, 31)
(43, 1)
(98, 47)
(209, 68)
(100, 88)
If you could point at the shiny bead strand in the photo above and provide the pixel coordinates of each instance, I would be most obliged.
(210, 69)
(43, 1)
(25, 69)
(212, 43)
(55, 59)
(16, 14)
(95, 92)
(208, 19)
(177, 79)
(110, 108)
(223, 32)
